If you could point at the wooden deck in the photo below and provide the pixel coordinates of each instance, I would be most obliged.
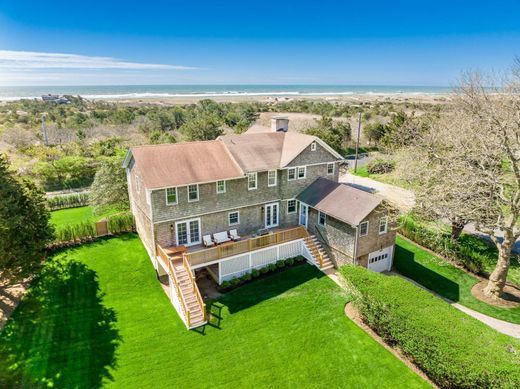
(199, 255)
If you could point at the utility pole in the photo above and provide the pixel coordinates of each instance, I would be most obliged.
(44, 131)
(357, 142)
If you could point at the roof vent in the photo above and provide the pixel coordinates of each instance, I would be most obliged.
(279, 124)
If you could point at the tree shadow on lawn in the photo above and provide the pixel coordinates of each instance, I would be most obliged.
(264, 289)
(406, 265)
(61, 335)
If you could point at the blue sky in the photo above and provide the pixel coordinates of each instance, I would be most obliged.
(259, 42)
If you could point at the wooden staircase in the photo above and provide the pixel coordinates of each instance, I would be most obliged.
(191, 300)
(318, 252)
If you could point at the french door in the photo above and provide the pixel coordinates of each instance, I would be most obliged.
(304, 214)
(271, 215)
(188, 232)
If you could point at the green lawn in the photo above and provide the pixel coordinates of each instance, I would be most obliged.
(287, 330)
(447, 280)
(68, 216)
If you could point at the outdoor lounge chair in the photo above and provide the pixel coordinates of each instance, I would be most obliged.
(221, 237)
(233, 234)
(208, 242)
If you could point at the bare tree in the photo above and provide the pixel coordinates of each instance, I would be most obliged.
(466, 167)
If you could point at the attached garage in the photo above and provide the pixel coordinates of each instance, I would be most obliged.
(381, 260)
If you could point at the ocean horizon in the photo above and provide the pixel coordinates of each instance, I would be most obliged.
(9, 93)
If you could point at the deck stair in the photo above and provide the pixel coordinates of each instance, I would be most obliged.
(193, 306)
(321, 258)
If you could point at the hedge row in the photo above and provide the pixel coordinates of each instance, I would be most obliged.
(263, 270)
(67, 201)
(470, 251)
(86, 231)
(453, 349)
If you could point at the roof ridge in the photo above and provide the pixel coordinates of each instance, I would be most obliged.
(176, 143)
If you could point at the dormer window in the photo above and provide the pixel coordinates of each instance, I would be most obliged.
(313, 146)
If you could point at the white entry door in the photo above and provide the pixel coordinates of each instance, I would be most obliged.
(381, 260)
(188, 232)
(304, 214)
(271, 215)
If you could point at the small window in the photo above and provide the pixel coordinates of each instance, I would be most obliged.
(291, 174)
(330, 168)
(271, 178)
(291, 206)
(302, 172)
(193, 193)
(233, 218)
(313, 146)
(322, 219)
(171, 196)
(251, 181)
(363, 229)
(221, 186)
(383, 225)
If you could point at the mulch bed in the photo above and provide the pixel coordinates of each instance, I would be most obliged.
(510, 298)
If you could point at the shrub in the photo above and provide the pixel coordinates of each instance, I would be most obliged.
(271, 267)
(300, 258)
(469, 251)
(380, 166)
(264, 269)
(123, 222)
(225, 284)
(246, 277)
(67, 201)
(235, 281)
(289, 261)
(255, 273)
(280, 264)
(453, 349)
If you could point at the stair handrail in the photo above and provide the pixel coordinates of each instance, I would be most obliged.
(196, 290)
(184, 306)
(320, 258)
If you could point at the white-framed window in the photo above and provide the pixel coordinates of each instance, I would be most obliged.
(193, 193)
(291, 174)
(330, 168)
(322, 219)
(291, 206)
(383, 225)
(233, 218)
(251, 181)
(221, 186)
(271, 178)
(171, 196)
(302, 172)
(363, 229)
(313, 146)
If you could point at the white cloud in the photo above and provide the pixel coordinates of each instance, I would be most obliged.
(30, 60)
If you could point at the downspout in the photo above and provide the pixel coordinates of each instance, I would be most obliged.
(356, 246)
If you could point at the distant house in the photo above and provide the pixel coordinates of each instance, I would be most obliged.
(240, 202)
(55, 99)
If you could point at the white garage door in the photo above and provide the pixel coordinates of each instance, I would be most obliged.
(381, 260)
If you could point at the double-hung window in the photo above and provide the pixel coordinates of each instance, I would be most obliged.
(271, 178)
(251, 181)
(302, 172)
(383, 225)
(221, 186)
(193, 193)
(171, 196)
(363, 229)
(322, 219)
(291, 174)
(330, 168)
(233, 218)
(291, 206)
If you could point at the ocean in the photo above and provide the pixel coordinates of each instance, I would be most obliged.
(8, 93)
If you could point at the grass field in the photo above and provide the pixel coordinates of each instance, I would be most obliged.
(447, 280)
(68, 216)
(287, 330)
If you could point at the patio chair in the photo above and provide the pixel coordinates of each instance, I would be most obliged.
(208, 242)
(233, 234)
(221, 237)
